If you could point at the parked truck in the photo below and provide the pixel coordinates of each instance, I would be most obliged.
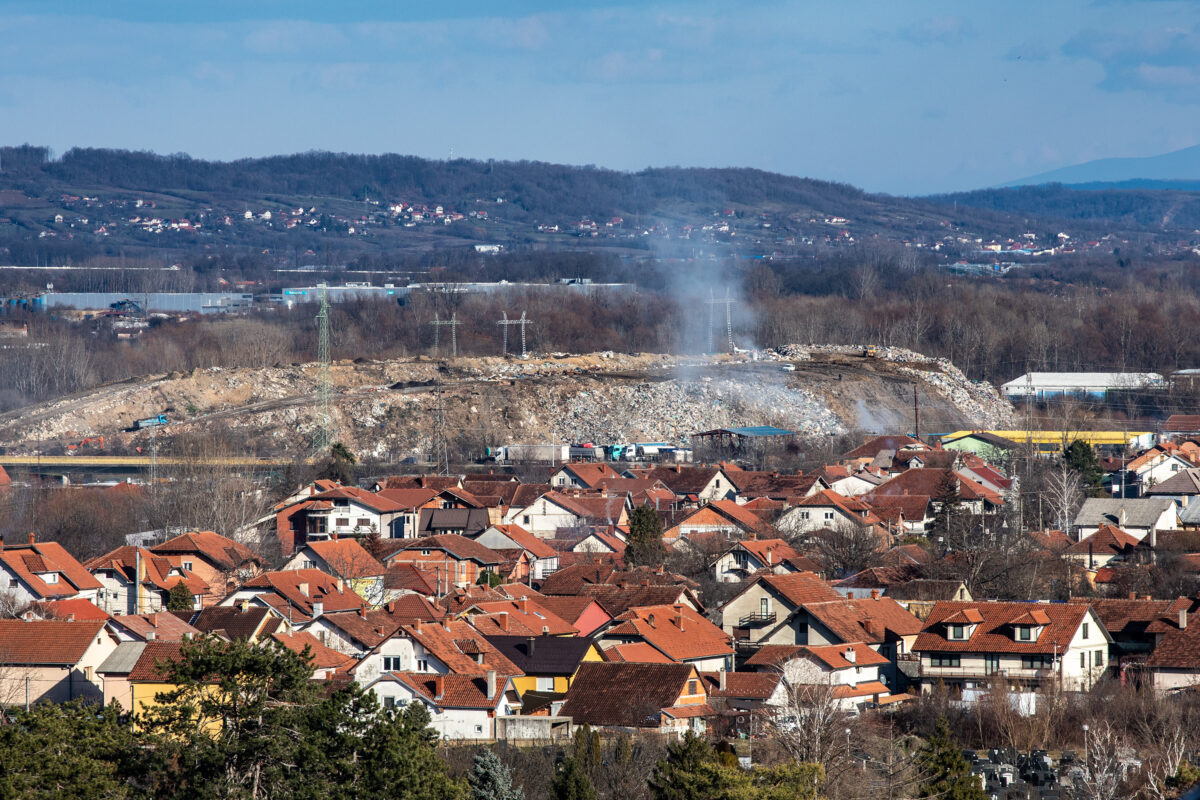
(540, 453)
(151, 422)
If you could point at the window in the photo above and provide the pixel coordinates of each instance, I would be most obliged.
(187, 565)
(1098, 658)
(343, 522)
(308, 564)
(941, 660)
(803, 515)
(1025, 633)
(525, 520)
(1085, 630)
(858, 670)
(87, 673)
(389, 702)
(692, 688)
(828, 515)
(718, 483)
(1037, 662)
(12, 583)
(479, 729)
(764, 606)
(364, 522)
(1083, 660)
(991, 664)
(49, 577)
(425, 551)
(392, 664)
(958, 632)
(545, 684)
(422, 665)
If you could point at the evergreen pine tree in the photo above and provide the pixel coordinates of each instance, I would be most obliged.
(490, 779)
(572, 783)
(644, 545)
(947, 774)
(1080, 457)
(180, 597)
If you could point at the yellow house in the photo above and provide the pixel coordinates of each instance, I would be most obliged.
(550, 663)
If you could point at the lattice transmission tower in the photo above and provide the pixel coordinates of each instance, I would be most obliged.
(323, 437)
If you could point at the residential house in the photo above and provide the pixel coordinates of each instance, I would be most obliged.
(244, 622)
(1154, 466)
(781, 487)
(449, 647)
(879, 449)
(455, 560)
(350, 511)
(1136, 626)
(41, 571)
(460, 706)
(719, 516)
(326, 662)
(520, 617)
(1106, 545)
(220, 562)
(582, 475)
(160, 626)
(138, 581)
(298, 595)
(971, 645)
(133, 674)
(549, 663)
(1139, 517)
(345, 559)
(749, 556)
(51, 660)
(1181, 487)
(543, 559)
(855, 674)
(469, 522)
(584, 613)
(827, 509)
(1175, 661)
(974, 497)
(554, 511)
(699, 485)
(850, 481)
(920, 595)
(678, 632)
(670, 698)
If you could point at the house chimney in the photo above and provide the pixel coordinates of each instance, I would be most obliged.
(1183, 619)
(29, 616)
(151, 636)
(417, 626)
(303, 589)
(850, 654)
(502, 620)
(71, 617)
(341, 585)
(439, 687)
(770, 553)
(32, 537)
(1133, 595)
(491, 684)
(679, 618)
(650, 619)
(245, 604)
(318, 609)
(874, 594)
(391, 606)
(545, 630)
(721, 679)
(523, 605)
(530, 643)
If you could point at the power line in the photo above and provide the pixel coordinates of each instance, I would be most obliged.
(713, 302)
(437, 326)
(504, 323)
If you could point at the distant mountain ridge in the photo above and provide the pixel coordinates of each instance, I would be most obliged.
(1178, 167)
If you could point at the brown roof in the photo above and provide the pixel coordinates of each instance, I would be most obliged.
(437, 482)
(221, 552)
(162, 572)
(1123, 617)
(149, 665)
(742, 685)
(642, 652)
(600, 693)
(590, 474)
(300, 588)
(518, 617)
(925, 482)
(1107, 540)
(871, 620)
(619, 599)
(459, 646)
(1182, 423)
(832, 656)
(683, 480)
(410, 577)
(1176, 649)
(460, 547)
(47, 642)
(528, 493)
(166, 627)
(235, 623)
(527, 541)
(570, 608)
(408, 499)
(872, 447)
(322, 657)
(995, 632)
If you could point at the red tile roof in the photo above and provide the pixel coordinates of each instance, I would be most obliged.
(347, 558)
(591, 474)
(47, 642)
(757, 686)
(75, 608)
(223, 553)
(676, 630)
(322, 657)
(165, 626)
(27, 561)
(832, 656)
(798, 588)
(517, 617)
(458, 547)
(995, 632)
(156, 655)
(600, 693)
(459, 646)
(161, 572)
(1108, 540)
(636, 652)
(454, 691)
(300, 588)
(527, 541)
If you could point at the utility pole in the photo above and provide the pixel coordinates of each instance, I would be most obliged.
(713, 302)
(323, 437)
(440, 453)
(916, 413)
(504, 323)
(437, 325)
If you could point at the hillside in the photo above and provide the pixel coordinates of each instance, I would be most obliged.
(387, 408)
(325, 208)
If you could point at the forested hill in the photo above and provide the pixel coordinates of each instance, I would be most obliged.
(1159, 207)
(334, 208)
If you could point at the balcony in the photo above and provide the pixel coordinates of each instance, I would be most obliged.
(756, 620)
(985, 674)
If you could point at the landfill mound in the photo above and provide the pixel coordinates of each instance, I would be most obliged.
(388, 409)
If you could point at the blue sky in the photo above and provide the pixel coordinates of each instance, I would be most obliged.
(903, 97)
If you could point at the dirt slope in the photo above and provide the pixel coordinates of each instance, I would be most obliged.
(388, 408)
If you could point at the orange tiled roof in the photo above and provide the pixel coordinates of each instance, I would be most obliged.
(218, 550)
(347, 558)
(994, 631)
(27, 561)
(47, 642)
(675, 630)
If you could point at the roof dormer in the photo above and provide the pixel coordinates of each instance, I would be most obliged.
(1029, 626)
(961, 625)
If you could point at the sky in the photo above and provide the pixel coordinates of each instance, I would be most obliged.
(904, 97)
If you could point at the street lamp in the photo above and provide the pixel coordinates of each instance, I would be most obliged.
(847, 742)
(1085, 746)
